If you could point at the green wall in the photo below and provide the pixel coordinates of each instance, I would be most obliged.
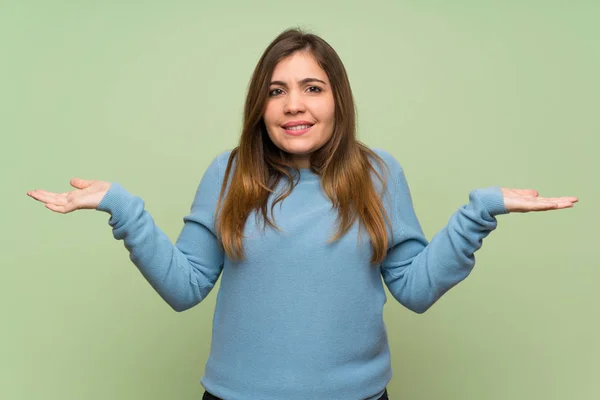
(465, 94)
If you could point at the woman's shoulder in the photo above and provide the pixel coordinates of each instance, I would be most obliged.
(389, 160)
(219, 163)
(223, 157)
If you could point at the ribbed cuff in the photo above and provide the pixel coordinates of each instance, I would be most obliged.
(492, 199)
(115, 200)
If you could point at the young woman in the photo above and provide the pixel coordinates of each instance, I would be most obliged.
(302, 222)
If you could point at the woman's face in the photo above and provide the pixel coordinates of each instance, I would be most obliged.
(300, 110)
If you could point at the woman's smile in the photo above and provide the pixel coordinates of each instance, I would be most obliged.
(297, 128)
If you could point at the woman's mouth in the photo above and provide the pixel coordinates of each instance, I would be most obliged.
(297, 130)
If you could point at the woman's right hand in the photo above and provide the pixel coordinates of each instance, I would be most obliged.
(88, 195)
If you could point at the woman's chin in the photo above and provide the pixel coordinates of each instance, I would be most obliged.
(295, 152)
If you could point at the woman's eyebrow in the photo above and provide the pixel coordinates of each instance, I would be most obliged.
(301, 82)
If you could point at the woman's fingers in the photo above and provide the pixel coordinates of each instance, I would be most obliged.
(47, 197)
(63, 209)
(88, 196)
(524, 204)
(524, 200)
(80, 183)
(59, 202)
(568, 198)
(559, 201)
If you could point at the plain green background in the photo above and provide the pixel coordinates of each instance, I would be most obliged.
(465, 94)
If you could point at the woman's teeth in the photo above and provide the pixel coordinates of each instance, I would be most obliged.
(298, 127)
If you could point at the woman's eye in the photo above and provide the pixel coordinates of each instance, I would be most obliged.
(276, 92)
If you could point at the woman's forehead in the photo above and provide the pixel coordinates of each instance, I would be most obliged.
(298, 66)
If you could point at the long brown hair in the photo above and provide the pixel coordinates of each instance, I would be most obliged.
(342, 163)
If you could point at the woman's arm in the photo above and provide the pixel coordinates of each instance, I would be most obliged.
(417, 272)
(183, 274)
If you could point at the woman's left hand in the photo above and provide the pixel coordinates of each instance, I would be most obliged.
(525, 200)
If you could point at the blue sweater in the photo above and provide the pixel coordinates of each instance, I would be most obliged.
(300, 319)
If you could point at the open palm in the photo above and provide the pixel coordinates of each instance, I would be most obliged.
(525, 200)
(88, 195)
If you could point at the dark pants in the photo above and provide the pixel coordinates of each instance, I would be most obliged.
(208, 396)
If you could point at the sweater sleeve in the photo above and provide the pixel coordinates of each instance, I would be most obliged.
(418, 272)
(183, 274)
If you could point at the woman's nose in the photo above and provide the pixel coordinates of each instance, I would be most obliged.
(294, 103)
